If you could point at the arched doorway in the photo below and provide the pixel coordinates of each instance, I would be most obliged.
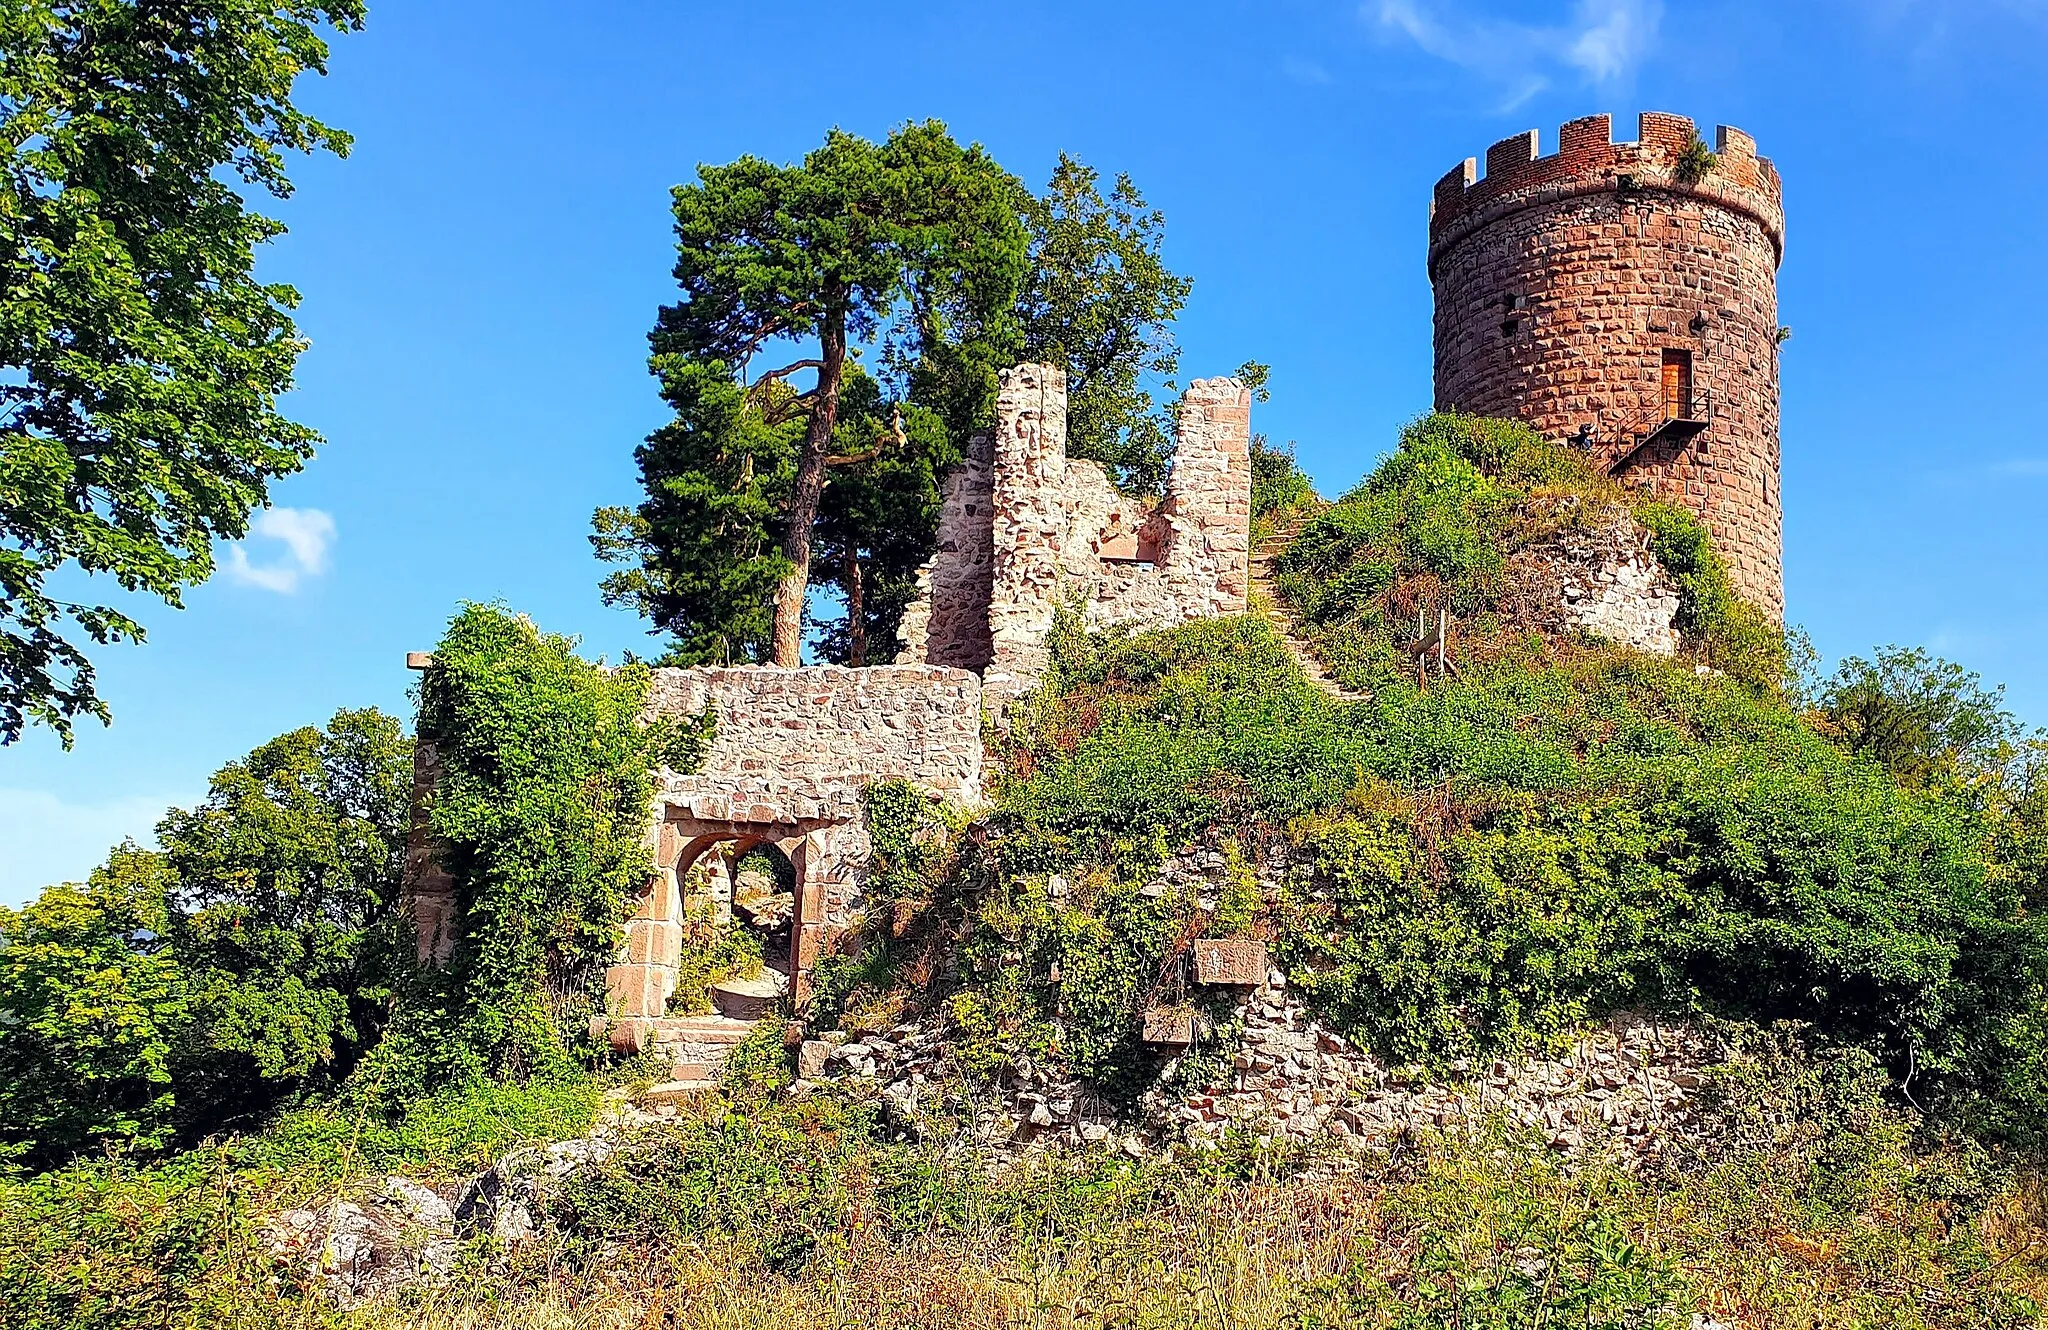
(801, 872)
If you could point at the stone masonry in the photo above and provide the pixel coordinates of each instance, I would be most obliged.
(794, 750)
(1598, 577)
(1026, 529)
(1564, 283)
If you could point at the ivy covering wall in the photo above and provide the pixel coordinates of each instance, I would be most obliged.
(541, 812)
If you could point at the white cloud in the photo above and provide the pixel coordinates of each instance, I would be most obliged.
(50, 841)
(306, 534)
(1603, 42)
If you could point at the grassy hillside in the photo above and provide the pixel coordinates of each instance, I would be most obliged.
(1842, 879)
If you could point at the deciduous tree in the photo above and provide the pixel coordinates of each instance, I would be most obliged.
(187, 988)
(140, 358)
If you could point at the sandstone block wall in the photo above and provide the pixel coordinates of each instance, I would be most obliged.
(1032, 529)
(948, 623)
(808, 737)
(1561, 281)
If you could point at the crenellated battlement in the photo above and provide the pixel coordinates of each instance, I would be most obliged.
(1588, 161)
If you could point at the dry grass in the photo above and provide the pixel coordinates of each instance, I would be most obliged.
(1462, 1234)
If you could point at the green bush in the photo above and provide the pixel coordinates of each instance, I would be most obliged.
(540, 809)
(1435, 524)
(1279, 488)
(187, 990)
(1503, 856)
(110, 1245)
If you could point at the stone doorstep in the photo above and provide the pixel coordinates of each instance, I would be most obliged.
(678, 1091)
(630, 1034)
(700, 1030)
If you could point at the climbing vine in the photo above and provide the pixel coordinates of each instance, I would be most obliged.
(540, 808)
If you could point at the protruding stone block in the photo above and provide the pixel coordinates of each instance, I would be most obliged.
(1233, 962)
(1170, 1027)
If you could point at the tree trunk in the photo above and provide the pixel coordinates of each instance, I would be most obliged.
(786, 646)
(856, 609)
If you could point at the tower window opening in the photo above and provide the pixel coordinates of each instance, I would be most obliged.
(1509, 327)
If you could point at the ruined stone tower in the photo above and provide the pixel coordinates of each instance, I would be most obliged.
(1625, 295)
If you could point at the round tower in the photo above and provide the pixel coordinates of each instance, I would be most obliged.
(1624, 295)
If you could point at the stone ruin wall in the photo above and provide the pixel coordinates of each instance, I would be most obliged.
(948, 622)
(1026, 529)
(793, 752)
(1023, 530)
(1597, 578)
(1560, 282)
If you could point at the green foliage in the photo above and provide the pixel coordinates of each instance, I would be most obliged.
(1431, 941)
(1506, 1253)
(704, 548)
(1804, 1203)
(914, 243)
(107, 1245)
(1822, 1220)
(186, 989)
(1696, 161)
(711, 951)
(1928, 721)
(1109, 945)
(454, 1130)
(1100, 302)
(758, 1065)
(878, 520)
(284, 919)
(1521, 848)
(1733, 634)
(951, 270)
(1436, 524)
(541, 807)
(1279, 488)
(142, 357)
(915, 852)
(92, 1014)
(911, 839)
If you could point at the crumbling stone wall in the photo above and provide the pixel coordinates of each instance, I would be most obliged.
(1032, 529)
(1562, 281)
(1597, 577)
(948, 623)
(794, 750)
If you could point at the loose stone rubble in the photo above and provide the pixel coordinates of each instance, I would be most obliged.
(1629, 1088)
(402, 1233)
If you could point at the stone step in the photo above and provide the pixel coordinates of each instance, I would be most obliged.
(676, 1092)
(690, 1073)
(750, 999)
(710, 1029)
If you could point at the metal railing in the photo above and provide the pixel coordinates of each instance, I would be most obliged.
(1695, 409)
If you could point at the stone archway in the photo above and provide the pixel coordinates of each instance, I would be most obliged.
(826, 855)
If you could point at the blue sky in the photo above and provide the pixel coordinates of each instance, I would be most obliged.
(480, 275)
